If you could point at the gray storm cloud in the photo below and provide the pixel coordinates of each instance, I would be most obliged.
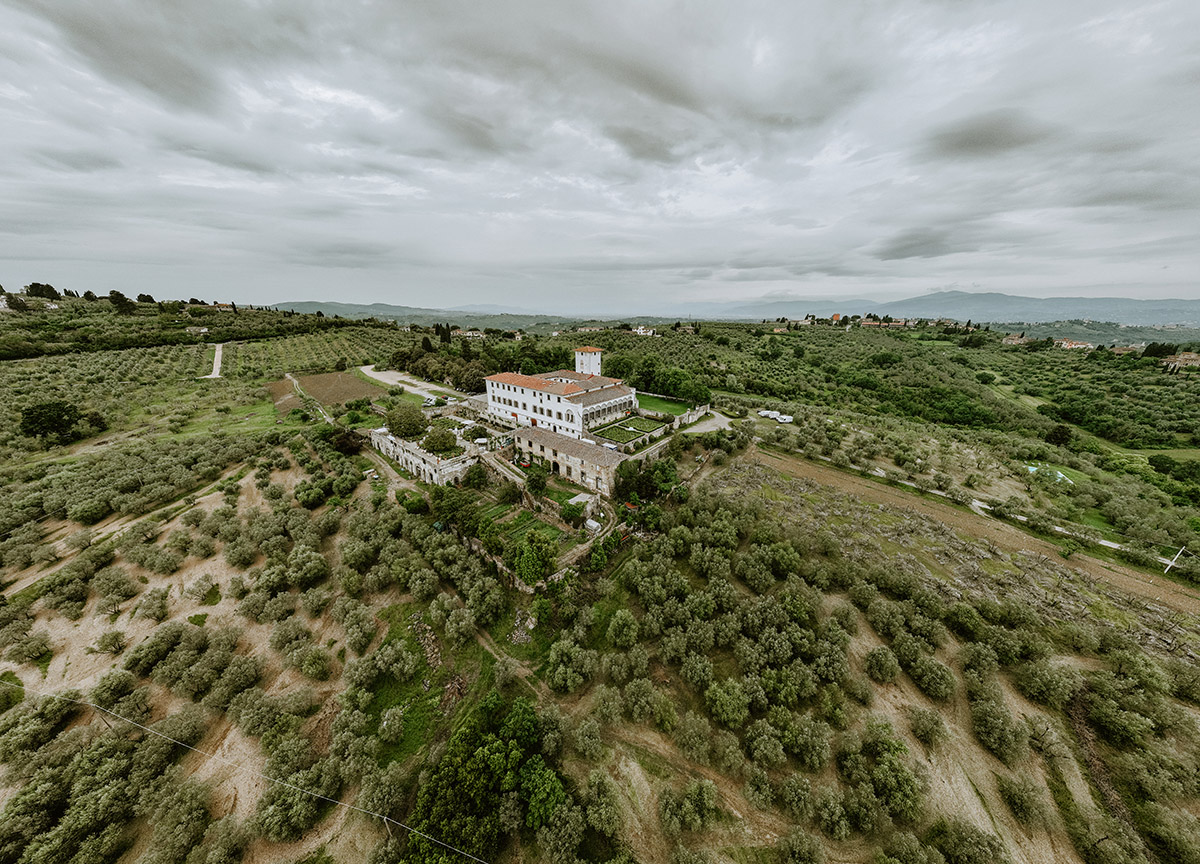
(598, 156)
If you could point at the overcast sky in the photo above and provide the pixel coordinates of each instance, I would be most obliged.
(611, 156)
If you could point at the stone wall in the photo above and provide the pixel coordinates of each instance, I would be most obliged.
(422, 464)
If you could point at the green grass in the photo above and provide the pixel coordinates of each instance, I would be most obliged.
(213, 597)
(558, 496)
(605, 609)
(420, 707)
(256, 417)
(560, 492)
(533, 651)
(1093, 518)
(1175, 452)
(43, 663)
(198, 620)
(662, 406)
(9, 696)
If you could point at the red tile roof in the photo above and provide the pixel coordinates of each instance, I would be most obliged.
(533, 382)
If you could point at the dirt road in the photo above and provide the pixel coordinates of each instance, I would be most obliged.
(1007, 537)
(409, 383)
(711, 423)
(216, 373)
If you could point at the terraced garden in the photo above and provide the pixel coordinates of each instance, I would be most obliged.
(628, 429)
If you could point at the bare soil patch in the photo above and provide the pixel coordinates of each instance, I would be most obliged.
(283, 394)
(331, 388)
(235, 790)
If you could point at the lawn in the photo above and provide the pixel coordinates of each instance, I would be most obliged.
(558, 496)
(662, 406)
(561, 491)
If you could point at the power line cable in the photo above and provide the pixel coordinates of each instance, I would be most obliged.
(387, 820)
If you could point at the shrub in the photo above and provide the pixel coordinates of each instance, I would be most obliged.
(506, 671)
(586, 739)
(962, 843)
(727, 752)
(933, 678)
(623, 629)
(881, 665)
(690, 810)
(795, 797)
(154, 605)
(1047, 684)
(694, 737)
(29, 649)
(997, 730)
(758, 790)
(391, 725)
(111, 642)
(1173, 834)
(315, 663)
(829, 813)
(807, 738)
(1024, 799)
(569, 665)
(904, 848)
(927, 726)
(640, 699)
(728, 702)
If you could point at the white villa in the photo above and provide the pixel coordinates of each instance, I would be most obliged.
(563, 401)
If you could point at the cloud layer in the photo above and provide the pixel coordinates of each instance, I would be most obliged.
(602, 156)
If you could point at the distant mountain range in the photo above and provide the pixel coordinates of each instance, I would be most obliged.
(991, 306)
(960, 305)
